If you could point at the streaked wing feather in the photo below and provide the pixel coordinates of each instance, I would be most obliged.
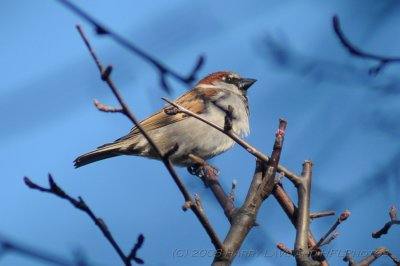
(191, 100)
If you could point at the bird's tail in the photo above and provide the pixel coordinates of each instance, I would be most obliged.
(101, 153)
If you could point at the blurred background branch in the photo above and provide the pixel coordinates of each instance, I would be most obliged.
(8, 246)
(383, 60)
(163, 70)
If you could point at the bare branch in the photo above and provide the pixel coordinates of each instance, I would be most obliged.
(393, 220)
(244, 218)
(105, 75)
(284, 248)
(321, 214)
(107, 109)
(162, 69)
(303, 212)
(378, 252)
(352, 262)
(330, 239)
(383, 60)
(210, 179)
(303, 185)
(290, 209)
(81, 205)
(138, 245)
(343, 217)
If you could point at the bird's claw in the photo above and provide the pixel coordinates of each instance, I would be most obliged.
(204, 170)
(194, 170)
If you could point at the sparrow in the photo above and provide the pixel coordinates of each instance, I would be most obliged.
(211, 98)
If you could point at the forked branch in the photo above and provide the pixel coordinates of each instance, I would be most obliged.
(80, 204)
(291, 211)
(324, 240)
(244, 218)
(377, 253)
(380, 251)
(355, 51)
(393, 220)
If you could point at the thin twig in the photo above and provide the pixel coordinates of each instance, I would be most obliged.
(383, 60)
(284, 248)
(393, 220)
(107, 109)
(163, 70)
(81, 205)
(321, 214)
(136, 247)
(343, 217)
(330, 239)
(105, 75)
(378, 252)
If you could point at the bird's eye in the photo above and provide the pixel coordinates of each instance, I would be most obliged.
(229, 80)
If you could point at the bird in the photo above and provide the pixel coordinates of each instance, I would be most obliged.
(212, 98)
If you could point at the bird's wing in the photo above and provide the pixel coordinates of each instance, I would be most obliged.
(192, 100)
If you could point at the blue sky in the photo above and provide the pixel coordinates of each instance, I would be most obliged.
(340, 117)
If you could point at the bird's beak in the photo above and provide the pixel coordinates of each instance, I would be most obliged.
(244, 83)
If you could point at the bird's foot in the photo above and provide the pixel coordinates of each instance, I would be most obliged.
(203, 169)
(195, 170)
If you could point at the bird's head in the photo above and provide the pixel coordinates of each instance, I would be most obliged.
(226, 80)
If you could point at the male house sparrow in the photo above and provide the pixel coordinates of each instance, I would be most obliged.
(210, 98)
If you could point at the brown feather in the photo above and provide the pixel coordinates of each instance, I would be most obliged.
(191, 100)
(213, 77)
